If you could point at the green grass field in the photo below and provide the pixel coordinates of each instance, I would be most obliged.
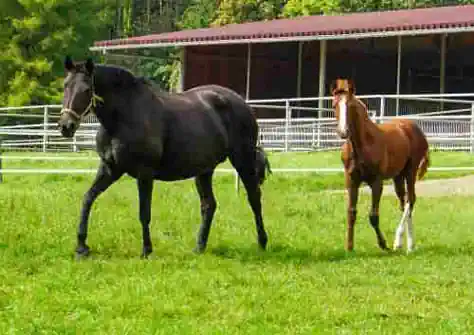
(303, 284)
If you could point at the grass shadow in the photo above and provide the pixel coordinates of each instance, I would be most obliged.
(464, 249)
(281, 253)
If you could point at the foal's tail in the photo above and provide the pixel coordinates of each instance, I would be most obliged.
(262, 164)
(424, 164)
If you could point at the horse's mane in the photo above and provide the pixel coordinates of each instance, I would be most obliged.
(126, 79)
(152, 85)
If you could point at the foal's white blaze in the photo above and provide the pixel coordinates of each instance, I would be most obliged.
(342, 115)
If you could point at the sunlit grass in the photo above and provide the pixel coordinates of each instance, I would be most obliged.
(303, 284)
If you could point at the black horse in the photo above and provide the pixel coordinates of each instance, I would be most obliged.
(152, 135)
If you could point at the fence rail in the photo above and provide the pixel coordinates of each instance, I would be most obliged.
(300, 124)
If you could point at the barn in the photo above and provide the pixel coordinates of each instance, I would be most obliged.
(414, 51)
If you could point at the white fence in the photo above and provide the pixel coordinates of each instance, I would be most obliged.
(301, 123)
(309, 123)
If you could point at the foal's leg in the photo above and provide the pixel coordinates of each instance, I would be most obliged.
(399, 183)
(145, 190)
(352, 185)
(411, 179)
(208, 208)
(103, 180)
(377, 189)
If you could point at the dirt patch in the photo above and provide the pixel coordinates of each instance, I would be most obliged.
(435, 188)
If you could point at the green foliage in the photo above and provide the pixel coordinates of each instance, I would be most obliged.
(199, 14)
(314, 7)
(239, 11)
(310, 7)
(33, 46)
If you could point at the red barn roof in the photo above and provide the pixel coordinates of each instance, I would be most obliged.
(356, 25)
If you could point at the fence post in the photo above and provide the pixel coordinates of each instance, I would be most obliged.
(45, 129)
(74, 143)
(1, 165)
(287, 123)
(472, 128)
(320, 115)
(382, 108)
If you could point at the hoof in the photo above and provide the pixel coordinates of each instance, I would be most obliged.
(410, 250)
(385, 248)
(199, 249)
(383, 245)
(146, 252)
(397, 247)
(82, 252)
(262, 242)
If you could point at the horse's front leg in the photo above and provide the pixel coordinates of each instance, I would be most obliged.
(377, 189)
(103, 180)
(145, 190)
(352, 184)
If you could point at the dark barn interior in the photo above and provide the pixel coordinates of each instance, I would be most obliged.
(371, 62)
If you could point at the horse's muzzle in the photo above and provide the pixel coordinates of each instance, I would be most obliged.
(67, 126)
(344, 134)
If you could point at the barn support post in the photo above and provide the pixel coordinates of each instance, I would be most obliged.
(298, 72)
(249, 71)
(322, 85)
(247, 97)
(182, 70)
(399, 65)
(442, 67)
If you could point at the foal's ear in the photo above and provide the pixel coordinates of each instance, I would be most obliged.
(332, 88)
(351, 85)
(68, 63)
(89, 65)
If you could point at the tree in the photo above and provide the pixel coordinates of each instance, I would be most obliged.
(37, 38)
(310, 7)
(313, 7)
(239, 11)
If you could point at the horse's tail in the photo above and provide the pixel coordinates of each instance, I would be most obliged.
(262, 164)
(424, 164)
(423, 145)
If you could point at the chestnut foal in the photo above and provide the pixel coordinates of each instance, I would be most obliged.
(395, 150)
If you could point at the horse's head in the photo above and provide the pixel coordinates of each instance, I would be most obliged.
(343, 91)
(79, 95)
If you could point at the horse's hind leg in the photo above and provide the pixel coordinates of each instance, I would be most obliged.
(245, 167)
(103, 180)
(208, 208)
(377, 188)
(145, 190)
(411, 179)
(399, 183)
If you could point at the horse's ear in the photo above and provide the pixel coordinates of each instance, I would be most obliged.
(351, 85)
(333, 86)
(89, 65)
(68, 63)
